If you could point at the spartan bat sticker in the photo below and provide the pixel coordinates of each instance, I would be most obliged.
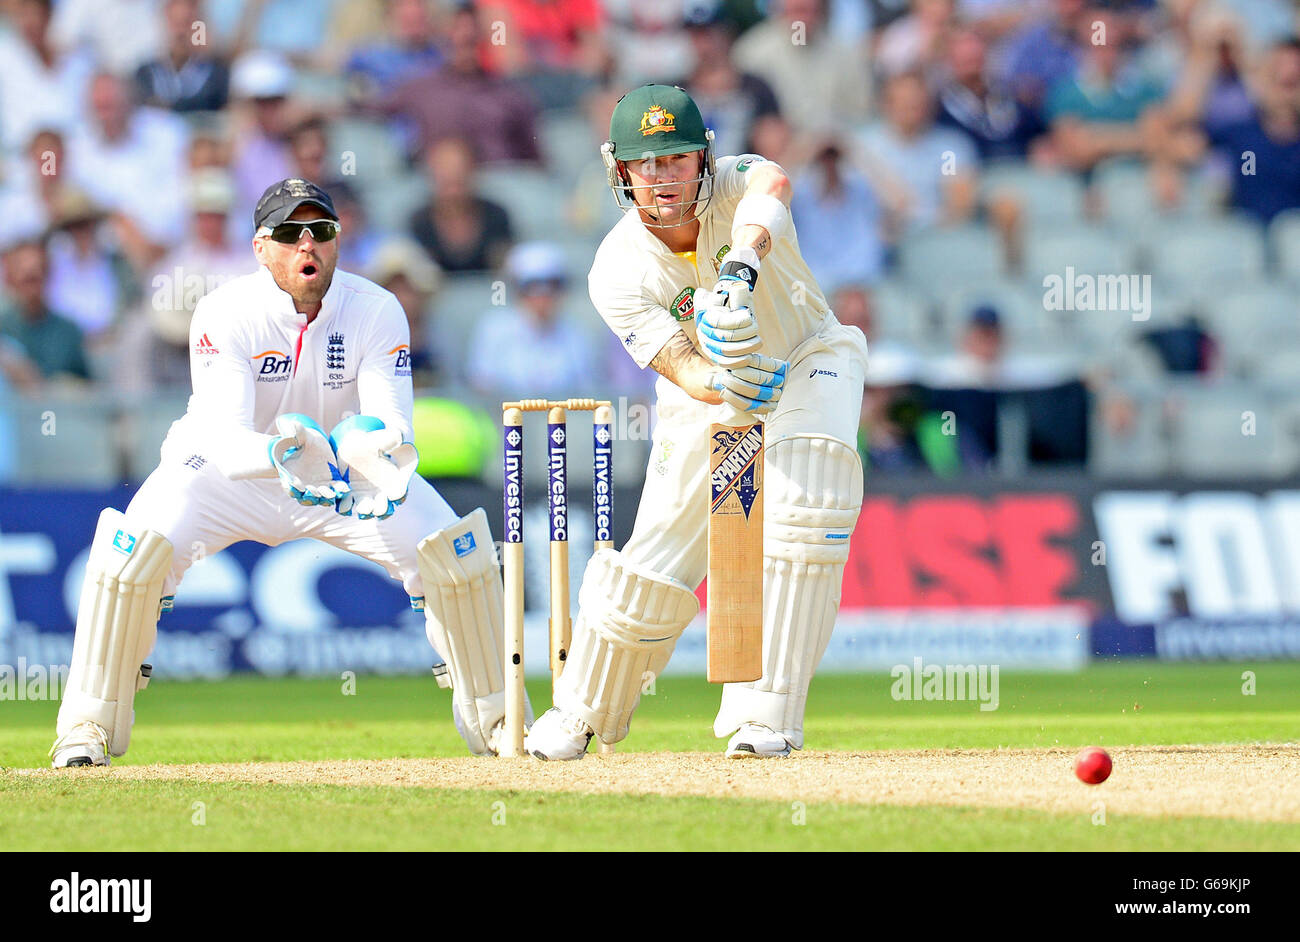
(736, 471)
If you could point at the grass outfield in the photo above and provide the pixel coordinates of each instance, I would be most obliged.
(260, 720)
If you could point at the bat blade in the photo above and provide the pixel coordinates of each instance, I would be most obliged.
(735, 578)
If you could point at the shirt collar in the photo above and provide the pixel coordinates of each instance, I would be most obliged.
(282, 307)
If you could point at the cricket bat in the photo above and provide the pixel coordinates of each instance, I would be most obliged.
(735, 578)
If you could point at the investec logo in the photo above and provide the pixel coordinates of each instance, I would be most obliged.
(77, 895)
(556, 475)
(731, 466)
(514, 504)
(601, 464)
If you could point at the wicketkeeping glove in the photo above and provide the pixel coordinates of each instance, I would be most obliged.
(377, 465)
(754, 387)
(305, 461)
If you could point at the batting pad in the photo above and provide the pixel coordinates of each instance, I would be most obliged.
(117, 624)
(465, 620)
(814, 493)
(629, 620)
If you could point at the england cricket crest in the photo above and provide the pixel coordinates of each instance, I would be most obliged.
(735, 577)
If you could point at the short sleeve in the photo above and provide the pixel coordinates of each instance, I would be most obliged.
(640, 323)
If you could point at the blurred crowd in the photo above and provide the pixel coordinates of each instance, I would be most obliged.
(947, 156)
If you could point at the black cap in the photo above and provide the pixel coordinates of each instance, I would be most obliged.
(282, 199)
(985, 315)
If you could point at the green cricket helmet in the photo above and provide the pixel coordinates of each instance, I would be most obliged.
(657, 121)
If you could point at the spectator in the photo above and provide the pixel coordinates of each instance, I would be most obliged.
(32, 188)
(358, 246)
(50, 341)
(823, 83)
(855, 306)
(646, 41)
(898, 432)
(408, 51)
(309, 151)
(186, 77)
(1000, 126)
(1043, 52)
(461, 99)
(926, 175)
(260, 83)
(839, 221)
(1271, 135)
(155, 342)
(731, 101)
(40, 86)
(529, 346)
(563, 47)
(400, 266)
(1106, 108)
(459, 229)
(131, 160)
(89, 281)
(916, 42)
(294, 29)
(121, 35)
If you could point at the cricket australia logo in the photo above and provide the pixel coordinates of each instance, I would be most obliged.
(683, 306)
(335, 356)
(736, 472)
(657, 121)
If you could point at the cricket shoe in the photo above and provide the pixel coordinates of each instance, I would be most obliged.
(84, 744)
(558, 736)
(753, 741)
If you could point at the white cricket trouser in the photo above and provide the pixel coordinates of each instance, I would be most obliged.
(201, 512)
(822, 395)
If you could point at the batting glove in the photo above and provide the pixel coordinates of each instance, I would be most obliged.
(377, 465)
(754, 387)
(305, 461)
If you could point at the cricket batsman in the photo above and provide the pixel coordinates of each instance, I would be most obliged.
(298, 426)
(702, 280)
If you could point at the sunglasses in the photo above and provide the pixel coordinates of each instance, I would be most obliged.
(289, 233)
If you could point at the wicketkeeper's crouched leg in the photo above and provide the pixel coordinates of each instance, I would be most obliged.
(629, 620)
(465, 622)
(814, 493)
(117, 624)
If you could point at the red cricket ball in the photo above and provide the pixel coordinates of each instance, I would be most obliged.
(1092, 766)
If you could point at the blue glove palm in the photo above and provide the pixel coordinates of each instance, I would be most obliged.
(304, 459)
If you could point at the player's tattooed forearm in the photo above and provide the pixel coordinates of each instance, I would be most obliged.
(676, 359)
(762, 244)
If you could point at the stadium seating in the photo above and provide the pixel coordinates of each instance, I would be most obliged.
(64, 440)
(934, 260)
(1222, 431)
(1045, 197)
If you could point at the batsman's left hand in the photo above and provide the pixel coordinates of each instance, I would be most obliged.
(377, 465)
(754, 387)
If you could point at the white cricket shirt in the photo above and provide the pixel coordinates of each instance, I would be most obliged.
(254, 357)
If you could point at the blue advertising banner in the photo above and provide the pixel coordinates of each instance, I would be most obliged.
(1041, 575)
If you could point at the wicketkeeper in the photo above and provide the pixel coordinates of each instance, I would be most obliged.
(299, 426)
(702, 280)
